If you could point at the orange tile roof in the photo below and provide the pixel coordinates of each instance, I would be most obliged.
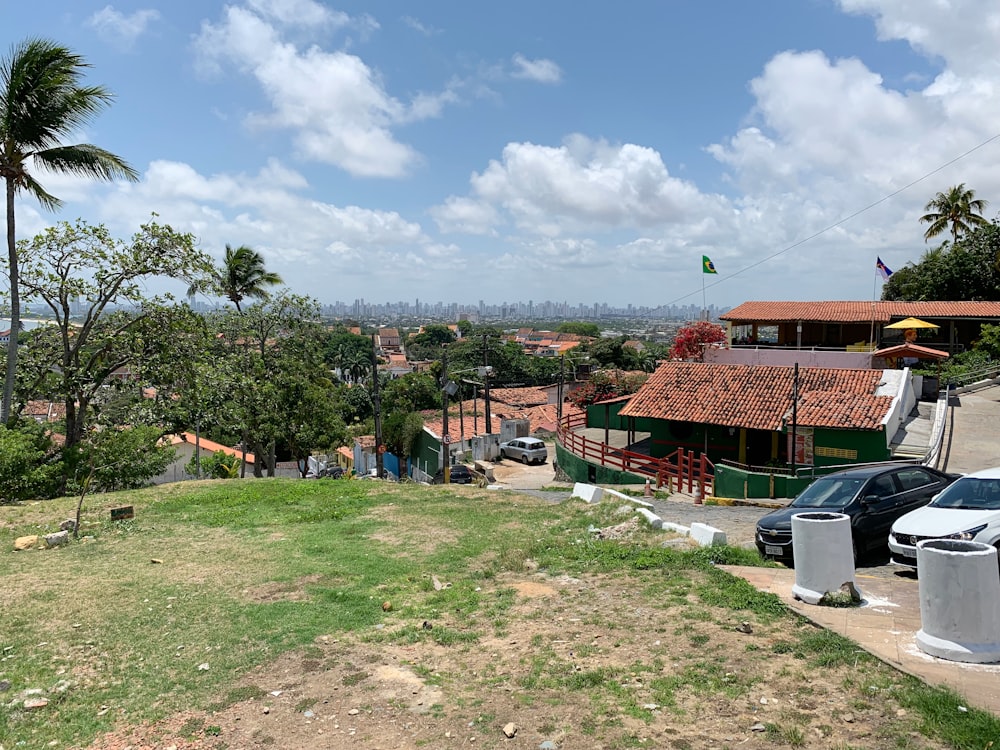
(529, 396)
(544, 418)
(209, 445)
(365, 441)
(346, 452)
(760, 397)
(435, 424)
(857, 312)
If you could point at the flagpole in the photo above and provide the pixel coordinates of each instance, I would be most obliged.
(871, 335)
(704, 304)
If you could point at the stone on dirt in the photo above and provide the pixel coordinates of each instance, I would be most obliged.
(57, 540)
(68, 525)
(509, 729)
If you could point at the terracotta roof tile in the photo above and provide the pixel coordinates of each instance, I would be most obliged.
(857, 312)
(544, 418)
(209, 445)
(520, 396)
(434, 422)
(760, 397)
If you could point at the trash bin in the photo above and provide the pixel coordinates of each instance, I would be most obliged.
(824, 555)
(959, 600)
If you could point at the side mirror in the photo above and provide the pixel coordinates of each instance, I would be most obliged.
(869, 500)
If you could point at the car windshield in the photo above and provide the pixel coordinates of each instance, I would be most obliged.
(969, 493)
(828, 492)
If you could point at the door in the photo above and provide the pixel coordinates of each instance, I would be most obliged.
(878, 510)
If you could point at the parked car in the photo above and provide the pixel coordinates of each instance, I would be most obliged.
(459, 474)
(968, 509)
(527, 450)
(873, 496)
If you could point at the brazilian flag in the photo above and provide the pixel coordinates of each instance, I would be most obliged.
(707, 265)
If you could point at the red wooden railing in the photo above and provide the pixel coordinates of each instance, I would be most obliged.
(683, 470)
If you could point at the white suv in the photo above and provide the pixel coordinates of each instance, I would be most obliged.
(967, 509)
(526, 449)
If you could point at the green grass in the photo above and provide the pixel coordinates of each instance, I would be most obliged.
(251, 570)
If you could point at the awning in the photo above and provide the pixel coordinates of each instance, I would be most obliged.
(912, 323)
(911, 350)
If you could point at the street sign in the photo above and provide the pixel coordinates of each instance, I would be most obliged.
(446, 439)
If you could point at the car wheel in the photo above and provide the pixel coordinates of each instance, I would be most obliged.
(855, 551)
(524, 460)
(503, 455)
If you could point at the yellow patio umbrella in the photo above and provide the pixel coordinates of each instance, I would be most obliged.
(912, 323)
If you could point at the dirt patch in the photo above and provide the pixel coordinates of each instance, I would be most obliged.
(282, 591)
(590, 662)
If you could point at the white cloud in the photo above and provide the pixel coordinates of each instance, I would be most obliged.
(334, 103)
(465, 215)
(581, 185)
(419, 26)
(540, 70)
(115, 27)
(299, 13)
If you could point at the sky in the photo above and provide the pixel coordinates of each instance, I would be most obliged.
(569, 150)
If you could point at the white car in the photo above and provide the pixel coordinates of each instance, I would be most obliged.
(527, 450)
(967, 509)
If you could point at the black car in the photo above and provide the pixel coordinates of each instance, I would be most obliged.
(873, 496)
(460, 474)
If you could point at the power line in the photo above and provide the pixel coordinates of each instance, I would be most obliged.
(836, 224)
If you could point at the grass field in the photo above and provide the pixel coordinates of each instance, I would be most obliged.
(177, 609)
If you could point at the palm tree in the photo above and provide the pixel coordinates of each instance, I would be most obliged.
(42, 101)
(242, 275)
(957, 207)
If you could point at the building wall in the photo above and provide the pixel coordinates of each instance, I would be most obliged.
(583, 471)
(765, 355)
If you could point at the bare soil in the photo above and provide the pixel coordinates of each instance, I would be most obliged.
(579, 663)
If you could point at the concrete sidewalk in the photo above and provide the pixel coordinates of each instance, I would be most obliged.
(885, 625)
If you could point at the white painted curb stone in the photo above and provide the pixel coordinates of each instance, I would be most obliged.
(587, 492)
(707, 536)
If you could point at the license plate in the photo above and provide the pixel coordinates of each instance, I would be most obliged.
(908, 552)
(769, 550)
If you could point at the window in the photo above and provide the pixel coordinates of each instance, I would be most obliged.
(882, 486)
(911, 479)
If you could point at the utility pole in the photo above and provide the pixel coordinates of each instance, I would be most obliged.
(445, 437)
(376, 406)
(795, 413)
(559, 391)
(486, 385)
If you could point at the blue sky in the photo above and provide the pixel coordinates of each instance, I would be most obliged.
(570, 151)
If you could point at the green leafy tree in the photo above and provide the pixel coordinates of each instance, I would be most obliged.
(580, 328)
(465, 327)
(956, 209)
(966, 270)
(989, 341)
(400, 431)
(42, 101)
(29, 465)
(412, 392)
(220, 465)
(241, 276)
(68, 263)
(341, 347)
(612, 352)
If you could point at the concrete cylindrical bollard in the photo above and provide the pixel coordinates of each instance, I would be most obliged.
(824, 555)
(959, 600)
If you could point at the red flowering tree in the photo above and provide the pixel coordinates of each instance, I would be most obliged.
(692, 339)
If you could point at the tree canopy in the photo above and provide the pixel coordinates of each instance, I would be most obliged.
(966, 270)
(956, 209)
(43, 101)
